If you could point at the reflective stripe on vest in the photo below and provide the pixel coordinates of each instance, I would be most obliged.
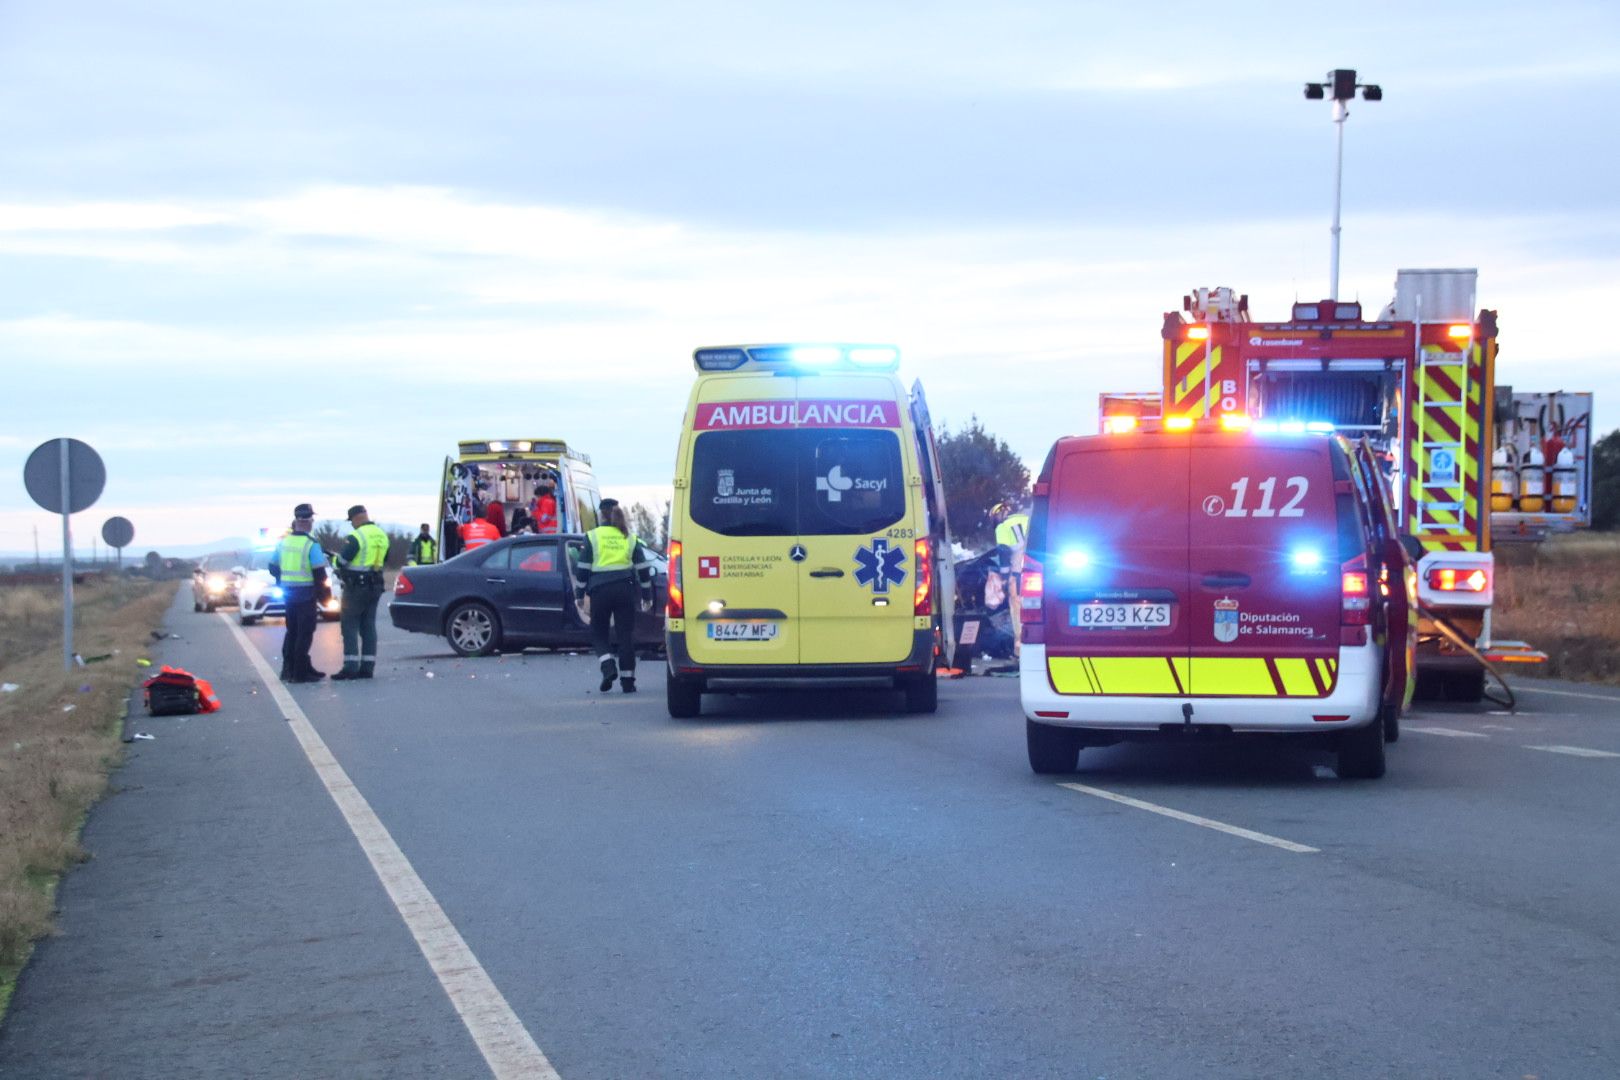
(612, 549)
(425, 549)
(1012, 532)
(293, 558)
(373, 547)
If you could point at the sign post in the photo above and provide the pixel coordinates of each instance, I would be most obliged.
(65, 476)
(118, 532)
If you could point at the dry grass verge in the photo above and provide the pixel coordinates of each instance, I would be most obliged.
(59, 736)
(1563, 597)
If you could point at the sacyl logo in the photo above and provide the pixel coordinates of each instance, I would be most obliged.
(835, 483)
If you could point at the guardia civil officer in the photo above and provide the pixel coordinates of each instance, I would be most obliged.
(360, 568)
(299, 567)
(423, 549)
(614, 570)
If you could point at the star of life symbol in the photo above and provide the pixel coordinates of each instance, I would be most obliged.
(879, 566)
(835, 483)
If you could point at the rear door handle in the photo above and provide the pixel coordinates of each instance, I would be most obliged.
(496, 580)
(1227, 579)
(826, 571)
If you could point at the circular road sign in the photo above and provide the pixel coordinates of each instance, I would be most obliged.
(118, 532)
(42, 476)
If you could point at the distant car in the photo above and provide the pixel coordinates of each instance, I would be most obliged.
(510, 594)
(215, 581)
(261, 597)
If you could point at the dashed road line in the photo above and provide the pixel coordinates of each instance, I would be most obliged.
(1450, 733)
(1520, 688)
(1193, 819)
(1575, 751)
(506, 1044)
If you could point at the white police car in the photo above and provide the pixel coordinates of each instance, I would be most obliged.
(260, 597)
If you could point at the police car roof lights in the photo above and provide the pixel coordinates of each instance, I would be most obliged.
(808, 356)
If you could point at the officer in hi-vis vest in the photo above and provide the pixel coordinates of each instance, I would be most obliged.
(360, 568)
(423, 550)
(1012, 533)
(614, 570)
(299, 567)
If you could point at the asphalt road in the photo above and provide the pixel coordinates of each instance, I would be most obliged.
(811, 885)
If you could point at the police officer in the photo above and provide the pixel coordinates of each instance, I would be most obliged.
(360, 568)
(423, 549)
(299, 567)
(613, 570)
(1012, 530)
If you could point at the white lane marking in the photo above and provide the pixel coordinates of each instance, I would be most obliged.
(507, 1047)
(1192, 819)
(1497, 727)
(1574, 751)
(1446, 731)
(1520, 688)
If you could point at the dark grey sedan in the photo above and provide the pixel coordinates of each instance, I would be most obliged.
(509, 595)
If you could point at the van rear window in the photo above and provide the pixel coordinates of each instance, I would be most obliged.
(804, 482)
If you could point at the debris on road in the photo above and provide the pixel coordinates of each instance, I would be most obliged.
(9, 688)
(143, 735)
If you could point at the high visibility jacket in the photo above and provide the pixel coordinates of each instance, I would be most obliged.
(1013, 531)
(293, 557)
(478, 532)
(610, 556)
(373, 548)
(545, 514)
(423, 550)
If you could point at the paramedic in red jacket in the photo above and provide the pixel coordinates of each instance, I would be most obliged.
(478, 532)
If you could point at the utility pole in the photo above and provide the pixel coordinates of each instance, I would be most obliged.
(1341, 83)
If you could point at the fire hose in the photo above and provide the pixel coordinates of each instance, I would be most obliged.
(1457, 638)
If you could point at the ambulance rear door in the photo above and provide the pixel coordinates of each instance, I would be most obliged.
(1265, 566)
(939, 526)
(860, 519)
(447, 539)
(739, 578)
(1114, 563)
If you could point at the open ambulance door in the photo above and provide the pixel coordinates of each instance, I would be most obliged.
(939, 526)
(447, 540)
(1397, 576)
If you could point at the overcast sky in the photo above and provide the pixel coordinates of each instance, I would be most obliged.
(257, 257)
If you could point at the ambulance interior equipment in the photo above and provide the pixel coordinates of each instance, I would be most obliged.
(511, 473)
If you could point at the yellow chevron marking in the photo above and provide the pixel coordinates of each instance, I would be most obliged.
(1296, 677)
(1133, 675)
(1069, 675)
(1240, 676)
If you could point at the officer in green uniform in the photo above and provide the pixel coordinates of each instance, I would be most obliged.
(423, 550)
(360, 568)
(299, 567)
(614, 570)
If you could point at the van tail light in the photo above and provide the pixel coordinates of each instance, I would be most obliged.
(675, 604)
(402, 585)
(1451, 579)
(1032, 602)
(1356, 590)
(922, 597)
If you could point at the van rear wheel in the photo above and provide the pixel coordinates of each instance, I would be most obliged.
(922, 693)
(684, 697)
(1361, 752)
(1052, 749)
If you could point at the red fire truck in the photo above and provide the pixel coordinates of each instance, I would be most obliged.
(1417, 380)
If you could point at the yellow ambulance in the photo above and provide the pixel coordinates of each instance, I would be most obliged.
(808, 537)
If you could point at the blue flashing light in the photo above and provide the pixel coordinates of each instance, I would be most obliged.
(1319, 426)
(1265, 427)
(275, 590)
(1292, 427)
(1306, 558)
(1074, 560)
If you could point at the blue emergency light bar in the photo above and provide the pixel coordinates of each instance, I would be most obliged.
(798, 357)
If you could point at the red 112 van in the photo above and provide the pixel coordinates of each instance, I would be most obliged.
(1210, 580)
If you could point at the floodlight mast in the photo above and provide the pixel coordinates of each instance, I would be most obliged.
(1341, 84)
